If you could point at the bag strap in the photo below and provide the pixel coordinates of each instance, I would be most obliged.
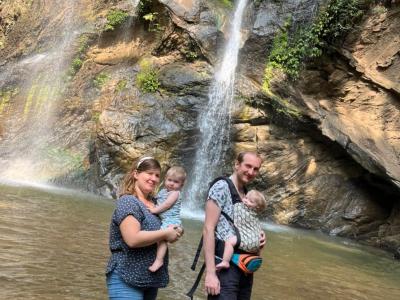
(197, 255)
(196, 283)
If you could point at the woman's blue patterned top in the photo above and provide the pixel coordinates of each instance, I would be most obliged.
(132, 263)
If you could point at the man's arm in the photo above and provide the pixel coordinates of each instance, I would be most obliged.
(211, 220)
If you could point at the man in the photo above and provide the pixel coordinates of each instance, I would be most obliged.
(229, 283)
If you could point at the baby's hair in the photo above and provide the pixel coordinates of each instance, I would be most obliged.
(259, 199)
(177, 172)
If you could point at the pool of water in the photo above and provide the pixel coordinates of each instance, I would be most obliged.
(53, 245)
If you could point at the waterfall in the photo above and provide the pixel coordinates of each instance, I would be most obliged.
(214, 122)
(41, 80)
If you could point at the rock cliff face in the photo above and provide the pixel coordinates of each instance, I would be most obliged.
(330, 142)
(352, 98)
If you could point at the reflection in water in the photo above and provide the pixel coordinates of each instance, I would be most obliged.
(54, 246)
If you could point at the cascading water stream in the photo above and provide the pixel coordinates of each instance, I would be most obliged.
(214, 122)
(40, 85)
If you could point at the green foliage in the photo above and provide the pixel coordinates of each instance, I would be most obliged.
(268, 76)
(96, 116)
(144, 7)
(290, 50)
(147, 78)
(77, 64)
(227, 3)
(190, 55)
(145, 11)
(5, 97)
(100, 79)
(121, 85)
(379, 9)
(152, 18)
(83, 44)
(114, 19)
(80, 56)
(64, 158)
(219, 20)
(189, 51)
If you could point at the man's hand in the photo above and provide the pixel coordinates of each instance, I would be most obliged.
(212, 284)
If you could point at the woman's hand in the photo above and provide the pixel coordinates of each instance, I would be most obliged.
(172, 234)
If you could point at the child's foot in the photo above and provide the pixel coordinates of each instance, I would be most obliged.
(222, 265)
(156, 265)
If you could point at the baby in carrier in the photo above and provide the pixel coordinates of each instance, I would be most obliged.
(246, 217)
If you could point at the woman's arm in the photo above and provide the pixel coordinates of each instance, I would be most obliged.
(136, 238)
(171, 199)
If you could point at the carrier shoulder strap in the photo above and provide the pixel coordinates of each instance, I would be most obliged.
(232, 189)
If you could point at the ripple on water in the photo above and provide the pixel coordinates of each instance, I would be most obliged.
(54, 246)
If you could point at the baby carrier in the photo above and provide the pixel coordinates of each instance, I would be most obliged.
(247, 262)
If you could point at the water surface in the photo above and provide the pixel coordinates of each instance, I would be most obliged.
(53, 245)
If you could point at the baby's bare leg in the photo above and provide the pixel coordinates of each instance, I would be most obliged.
(159, 261)
(228, 252)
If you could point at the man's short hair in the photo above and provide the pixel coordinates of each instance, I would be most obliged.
(240, 156)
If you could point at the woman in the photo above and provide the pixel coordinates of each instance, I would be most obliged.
(134, 233)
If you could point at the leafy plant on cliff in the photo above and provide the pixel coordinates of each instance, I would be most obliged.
(114, 19)
(227, 3)
(291, 49)
(77, 62)
(100, 79)
(146, 12)
(189, 51)
(121, 85)
(147, 78)
(64, 157)
(151, 18)
(5, 97)
(144, 7)
(96, 116)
